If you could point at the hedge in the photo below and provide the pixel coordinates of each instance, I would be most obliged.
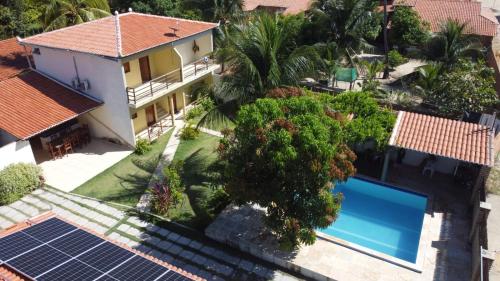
(17, 180)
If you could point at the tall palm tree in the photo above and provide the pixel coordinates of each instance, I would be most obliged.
(225, 10)
(351, 22)
(62, 13)
(428, 78)
(260, 59)
(452, 42)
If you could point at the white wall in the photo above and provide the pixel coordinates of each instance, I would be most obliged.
(15, 152)
(185, 49)
(443, 164)
(106, 84)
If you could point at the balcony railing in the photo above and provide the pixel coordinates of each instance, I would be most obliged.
(157, 84)
(198, 66)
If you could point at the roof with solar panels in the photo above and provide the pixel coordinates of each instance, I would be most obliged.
(50, 248)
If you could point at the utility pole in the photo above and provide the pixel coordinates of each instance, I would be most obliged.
(386, 44)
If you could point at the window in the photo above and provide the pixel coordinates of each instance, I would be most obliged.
(126, 67)
(36, 51)
(134, 115)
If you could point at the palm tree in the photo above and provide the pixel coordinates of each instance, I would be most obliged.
(428, 78)
(452, 42)
(260, 59)
(62, 13)
(351, 22)
(225, 10)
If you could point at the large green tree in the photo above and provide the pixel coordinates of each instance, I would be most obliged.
(263, 56)
(467, 86)
(351, 22)
(286, 153)
(62, 13)
(407, 28)
(20, 17)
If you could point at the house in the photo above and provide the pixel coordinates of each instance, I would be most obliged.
(480, 21)
(287, 7)
(120, 78)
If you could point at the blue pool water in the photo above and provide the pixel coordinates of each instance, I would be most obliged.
(379, 217)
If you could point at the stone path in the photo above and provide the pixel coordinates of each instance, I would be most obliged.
(170, 243)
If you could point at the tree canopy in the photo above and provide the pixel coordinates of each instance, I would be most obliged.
(407, 29)
(285, 154)
(62, 13)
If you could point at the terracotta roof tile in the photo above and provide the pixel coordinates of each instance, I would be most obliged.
(289, 6)
(31, 103)
(460, 140)
(480, 21)
(7, 274)
(136, 33)
(12, 58)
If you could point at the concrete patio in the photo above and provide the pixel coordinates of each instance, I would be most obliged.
(446, 249)
(74, 169)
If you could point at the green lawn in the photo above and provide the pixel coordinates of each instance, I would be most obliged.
(128, 179)
(198, 155)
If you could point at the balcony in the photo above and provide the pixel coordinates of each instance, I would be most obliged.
(169, 81)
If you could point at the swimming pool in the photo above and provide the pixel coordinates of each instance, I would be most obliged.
(379, 217)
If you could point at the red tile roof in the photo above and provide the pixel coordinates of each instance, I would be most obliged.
(31, 103)
(480, 21)
(12, 58)
(460, 140)
(7, 274)
(290, 6)
(134, 33)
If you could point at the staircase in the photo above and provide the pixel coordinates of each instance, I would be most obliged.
(161, 112)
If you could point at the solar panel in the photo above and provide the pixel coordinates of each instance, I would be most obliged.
(38, 260)
(16, 244)
(106, 256)
(138, 268)
(72, 270)
(76, 242)
(49, 229)
(56, 250)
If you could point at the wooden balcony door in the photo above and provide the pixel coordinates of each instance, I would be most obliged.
(175, 103)
(145, 69)
(150, 115)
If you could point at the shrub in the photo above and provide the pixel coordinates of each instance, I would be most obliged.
(206, 103)
(395, 58)
(17, 180)
(217, 201)
(168, 193)
(194, 112)
(142, 146)
(189, 133)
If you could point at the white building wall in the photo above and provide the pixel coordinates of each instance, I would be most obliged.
(16, 152)
(185, 48)
(112, 119)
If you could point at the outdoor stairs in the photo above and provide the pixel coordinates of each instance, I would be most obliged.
(170, 242)
(161, 112)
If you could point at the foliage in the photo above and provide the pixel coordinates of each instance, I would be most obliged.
(284, 155)
(370, 82)
(189, 133)
(17, 180)
(407, 28)
(206, 103)
(396, 59)
(428, 78)
(142, 146)
(20, 17)
(467, 86)
(169, 193)
(217, 201)
(262, 58)
(452, 43)
(194, 112)
(227, 10)
(351, 22)
(62, 13)
(369, 122)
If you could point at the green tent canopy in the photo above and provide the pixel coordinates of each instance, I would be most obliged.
(346, 74)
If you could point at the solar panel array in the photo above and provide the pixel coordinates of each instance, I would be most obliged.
(56, 250)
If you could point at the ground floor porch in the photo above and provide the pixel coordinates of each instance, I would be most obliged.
(445, 247)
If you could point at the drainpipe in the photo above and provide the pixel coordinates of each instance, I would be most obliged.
(385, 169)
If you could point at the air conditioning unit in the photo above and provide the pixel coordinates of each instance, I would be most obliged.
(84, 85)
(75, 83)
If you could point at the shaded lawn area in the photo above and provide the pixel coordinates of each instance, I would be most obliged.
(198, 155)
(128, 179)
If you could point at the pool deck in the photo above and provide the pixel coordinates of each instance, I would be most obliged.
(445, 250)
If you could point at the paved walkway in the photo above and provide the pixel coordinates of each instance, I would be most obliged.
(494, 234)
(170, 243)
